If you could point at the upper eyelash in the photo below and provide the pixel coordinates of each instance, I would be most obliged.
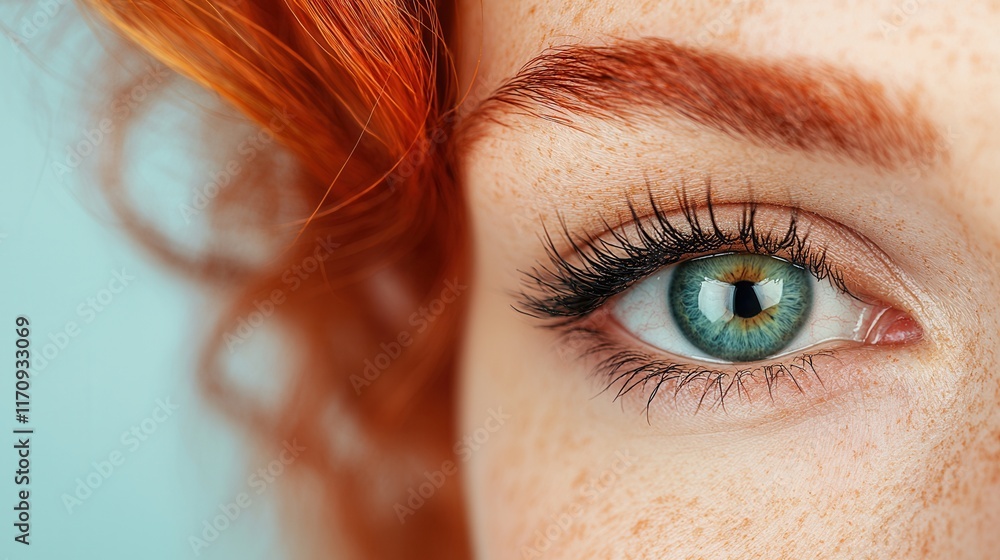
(566, 291)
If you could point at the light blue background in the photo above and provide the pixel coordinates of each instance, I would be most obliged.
(58, 248)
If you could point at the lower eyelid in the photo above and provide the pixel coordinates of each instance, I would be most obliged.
(655, 383)
(708, 397)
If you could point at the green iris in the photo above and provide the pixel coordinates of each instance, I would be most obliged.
(740, 307)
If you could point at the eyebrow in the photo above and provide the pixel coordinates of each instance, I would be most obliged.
(782, 105)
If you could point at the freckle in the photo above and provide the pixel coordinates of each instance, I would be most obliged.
(639, 527)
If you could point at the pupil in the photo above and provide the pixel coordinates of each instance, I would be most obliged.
(745, 302)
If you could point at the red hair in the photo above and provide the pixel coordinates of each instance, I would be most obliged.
(369, 91)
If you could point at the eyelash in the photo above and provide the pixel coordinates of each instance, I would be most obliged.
(629, 369)
(564, 293)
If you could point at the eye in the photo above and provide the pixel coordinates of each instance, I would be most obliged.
(713, 303)
(739, 307)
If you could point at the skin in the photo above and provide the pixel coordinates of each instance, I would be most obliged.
(895, 455)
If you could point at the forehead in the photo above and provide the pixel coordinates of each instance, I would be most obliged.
(498, 36)
(940, 54)
(901, 38)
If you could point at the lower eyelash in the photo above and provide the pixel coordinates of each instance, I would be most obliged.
(567, 292)
(629, 369)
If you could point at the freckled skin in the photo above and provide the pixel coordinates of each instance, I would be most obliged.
(905, 466)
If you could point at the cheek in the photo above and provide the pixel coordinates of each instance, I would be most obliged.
(532, 472)
(570, 475)
(959, 489)
(559, 480)
(549, 482)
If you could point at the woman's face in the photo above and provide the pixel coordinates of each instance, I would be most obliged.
(865, 136)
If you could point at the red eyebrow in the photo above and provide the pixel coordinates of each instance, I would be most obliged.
(781, 105)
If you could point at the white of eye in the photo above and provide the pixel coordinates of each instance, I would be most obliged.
(644, 311)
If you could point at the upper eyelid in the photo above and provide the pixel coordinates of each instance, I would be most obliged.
(561, 267)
